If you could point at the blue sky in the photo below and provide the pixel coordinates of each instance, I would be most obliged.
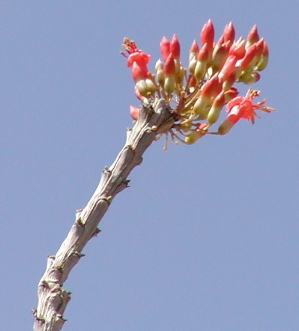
(206, 237)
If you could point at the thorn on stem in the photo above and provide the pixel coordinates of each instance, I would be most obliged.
(126, 182)
(79, 254)
(106, 169)
(97, 231)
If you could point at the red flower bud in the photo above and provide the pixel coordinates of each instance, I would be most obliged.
(265, 49)
(253, 35)
(219, 57)
(203, 54)
(216, 108)
(164, 47)
(192, 82)
(175, 47)
(228, 83)
(169, 68)
(211, 88)
(229, 33)
(134, 112)
(220, 41)
(228, 68)
(238, 49)
(207, 34)
(249, 56)
(263, 61)
(194, 49)
(260, 47)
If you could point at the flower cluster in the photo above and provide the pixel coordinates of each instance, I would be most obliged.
(200, 91)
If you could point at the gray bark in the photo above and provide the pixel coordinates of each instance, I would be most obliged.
(52, 297)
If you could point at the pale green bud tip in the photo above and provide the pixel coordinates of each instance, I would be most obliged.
(159, 65)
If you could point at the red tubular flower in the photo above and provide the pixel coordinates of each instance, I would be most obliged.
(174, 47)
(164, 48)
(242, 107)
(135, 54)
(139, 72)
(140, 57)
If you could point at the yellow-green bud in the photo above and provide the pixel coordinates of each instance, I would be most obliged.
(225, 126)
(142, 87)
(262, 63)
(249, 77)
(199, 106)
(169, 84)
(215, 110)
(192, 65)
(180, 76)
(151, 87)
(191, 137)
(200, 70)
